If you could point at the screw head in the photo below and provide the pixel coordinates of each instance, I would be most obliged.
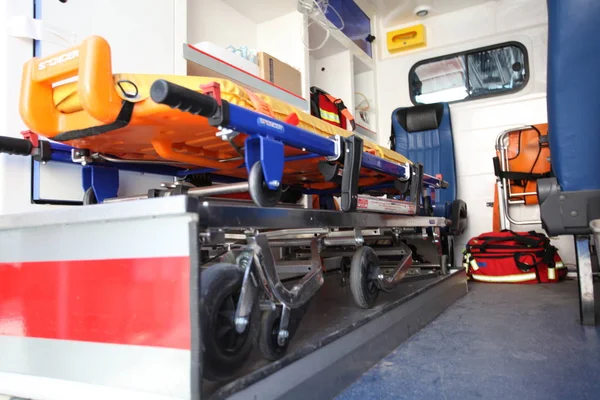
(574, 213)
(274, 183)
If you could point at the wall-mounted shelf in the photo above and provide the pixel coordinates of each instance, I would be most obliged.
(364, 132)
(336, 43)
(203, 64)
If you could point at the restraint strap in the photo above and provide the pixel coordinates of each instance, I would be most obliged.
(523, 176)
(122, 121)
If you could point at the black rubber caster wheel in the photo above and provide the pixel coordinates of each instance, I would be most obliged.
(224, 350)
(363, 282)
(269, 331)
(89, 197)
(259, 191)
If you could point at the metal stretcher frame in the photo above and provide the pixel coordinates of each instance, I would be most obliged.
(80, 246)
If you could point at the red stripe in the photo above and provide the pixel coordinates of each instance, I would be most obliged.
(128, 301)
(246, 72)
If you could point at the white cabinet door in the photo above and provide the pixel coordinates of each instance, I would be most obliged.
(145, 36)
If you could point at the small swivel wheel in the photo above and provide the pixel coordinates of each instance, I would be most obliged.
(224, 350)
(89, 197)
(363, 278)
(259, 191)
(268, 341)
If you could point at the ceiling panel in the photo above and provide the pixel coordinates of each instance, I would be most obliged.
(397, 12)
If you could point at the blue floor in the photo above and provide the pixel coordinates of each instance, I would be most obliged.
(498, 342)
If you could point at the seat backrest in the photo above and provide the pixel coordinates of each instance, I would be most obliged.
(574, 93)
(423, 134)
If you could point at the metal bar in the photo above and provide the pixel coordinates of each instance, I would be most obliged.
(213, 215)
(296, 267)
(505, 194)
(388, 283)
(586, 281)
(296, 233)
(248, 296)
(121, 161)
(303, 291)
(253, 123)
(215, 190)
(595, 227)
(219, 189)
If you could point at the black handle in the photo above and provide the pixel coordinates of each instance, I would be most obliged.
(183, 99)
(497, 169)
(10, 145)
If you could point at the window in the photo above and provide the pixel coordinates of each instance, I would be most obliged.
(470, 75)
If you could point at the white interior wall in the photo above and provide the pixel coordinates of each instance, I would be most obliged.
(334, 74)
(281, 37)
(15, 172)
(364, 82)
(477, 123)
(133, 49)
(217, 22)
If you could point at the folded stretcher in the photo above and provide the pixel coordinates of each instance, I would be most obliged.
(226, 129)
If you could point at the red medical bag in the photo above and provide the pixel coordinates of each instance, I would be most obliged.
(328, 108)
(513, 257)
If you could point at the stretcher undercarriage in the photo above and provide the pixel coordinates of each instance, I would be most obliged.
(253, 266)
(128, 298)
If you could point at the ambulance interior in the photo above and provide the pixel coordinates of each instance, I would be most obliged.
(349, 199)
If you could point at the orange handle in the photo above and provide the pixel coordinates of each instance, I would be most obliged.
(91, 63)
(404, 36)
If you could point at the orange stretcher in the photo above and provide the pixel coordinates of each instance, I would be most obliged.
(113, 114)
(523, 157)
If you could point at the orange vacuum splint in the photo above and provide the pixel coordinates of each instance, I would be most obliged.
(224, 129)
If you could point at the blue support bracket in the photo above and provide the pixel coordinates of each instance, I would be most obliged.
(104, 181)
(270, 154)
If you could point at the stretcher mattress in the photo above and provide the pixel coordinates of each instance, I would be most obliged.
(154, 132)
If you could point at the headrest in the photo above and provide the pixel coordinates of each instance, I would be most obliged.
(420, 118)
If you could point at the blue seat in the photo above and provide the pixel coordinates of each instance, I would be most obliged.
(571, 200)
(423, 134)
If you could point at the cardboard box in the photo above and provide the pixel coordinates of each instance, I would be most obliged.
(279, 73)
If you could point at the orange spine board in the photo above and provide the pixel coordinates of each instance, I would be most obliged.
(90, 62)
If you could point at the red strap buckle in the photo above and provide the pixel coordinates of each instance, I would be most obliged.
(213, 90)
(32, 137)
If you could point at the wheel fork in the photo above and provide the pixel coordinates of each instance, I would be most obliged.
(258, 262)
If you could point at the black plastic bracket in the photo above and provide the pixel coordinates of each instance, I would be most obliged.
(416, 185)
(330, 172)
(402, 186)
(43, 152)
(221, 117)
(351, 173)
